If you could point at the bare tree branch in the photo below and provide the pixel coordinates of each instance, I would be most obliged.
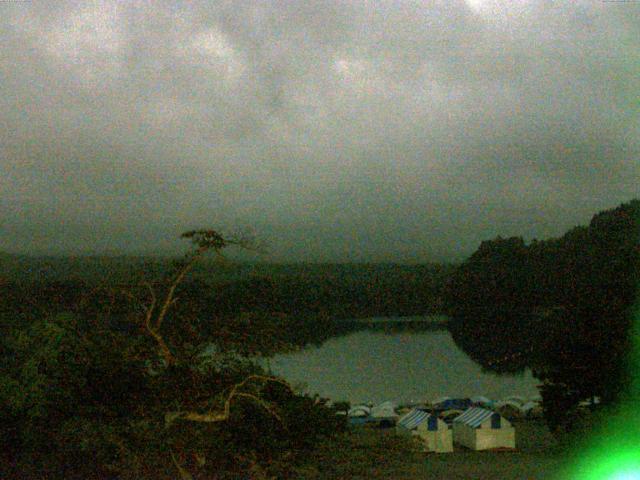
(221, 416)
(184, 474)
(179, 277)
(152, 330)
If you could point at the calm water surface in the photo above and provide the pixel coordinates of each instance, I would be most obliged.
(373, 366)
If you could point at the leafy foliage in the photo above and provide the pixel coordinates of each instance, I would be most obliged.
(122, 386)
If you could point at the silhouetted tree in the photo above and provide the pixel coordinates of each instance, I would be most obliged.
(561, 307)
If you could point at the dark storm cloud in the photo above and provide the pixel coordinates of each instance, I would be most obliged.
(337, 130)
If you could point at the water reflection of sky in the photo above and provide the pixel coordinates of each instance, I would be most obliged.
(373, 366)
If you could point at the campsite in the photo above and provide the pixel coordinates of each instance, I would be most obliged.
(422, 445)
(381, 454)
(370, 449)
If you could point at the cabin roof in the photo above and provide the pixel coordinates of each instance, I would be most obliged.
(474, 416)
(413, 418)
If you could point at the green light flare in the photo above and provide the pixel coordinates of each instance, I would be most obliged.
(616, 456)
(613, 451)
(627, 476)
(617, 466)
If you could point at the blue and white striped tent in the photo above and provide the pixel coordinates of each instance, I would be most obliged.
(415, 417)
(481, 429)
(433, 432)
(475, 416)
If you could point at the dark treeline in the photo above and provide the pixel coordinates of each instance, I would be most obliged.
(297, 304)
(334, 291)
(561, 306)
(339, 290)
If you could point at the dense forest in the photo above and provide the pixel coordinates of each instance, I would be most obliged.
(562, 307)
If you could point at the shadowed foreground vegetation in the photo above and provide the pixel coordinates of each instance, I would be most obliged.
(114, 383)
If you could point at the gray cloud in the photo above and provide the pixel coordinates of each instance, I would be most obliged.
(403, 131)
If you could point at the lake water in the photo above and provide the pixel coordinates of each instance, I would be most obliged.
(374, 366)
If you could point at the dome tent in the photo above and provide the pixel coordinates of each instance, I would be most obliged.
(385, 410)
(509, 409)
(517, 399)
(385, 414)
(532, 410)
(360, 415)
(359, 411)
(453, 404)
(481, 400)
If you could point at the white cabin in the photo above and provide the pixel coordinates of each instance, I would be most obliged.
(435, 435)
(481, 429)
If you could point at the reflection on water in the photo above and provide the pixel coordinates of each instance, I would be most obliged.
(405, 366)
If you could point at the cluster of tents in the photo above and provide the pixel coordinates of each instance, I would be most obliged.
(512, 408)
(477, 423)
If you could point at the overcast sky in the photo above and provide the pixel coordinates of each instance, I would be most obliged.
(336, 131)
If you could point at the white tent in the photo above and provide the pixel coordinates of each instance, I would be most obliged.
(532, 409)
(481, 400)
(481, 429)
(448, 415)
(359, 411)
(433, 432)
(440, 400)
(509, 409)
(385, 410)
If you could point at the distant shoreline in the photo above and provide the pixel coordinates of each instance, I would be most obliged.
(428, 319)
